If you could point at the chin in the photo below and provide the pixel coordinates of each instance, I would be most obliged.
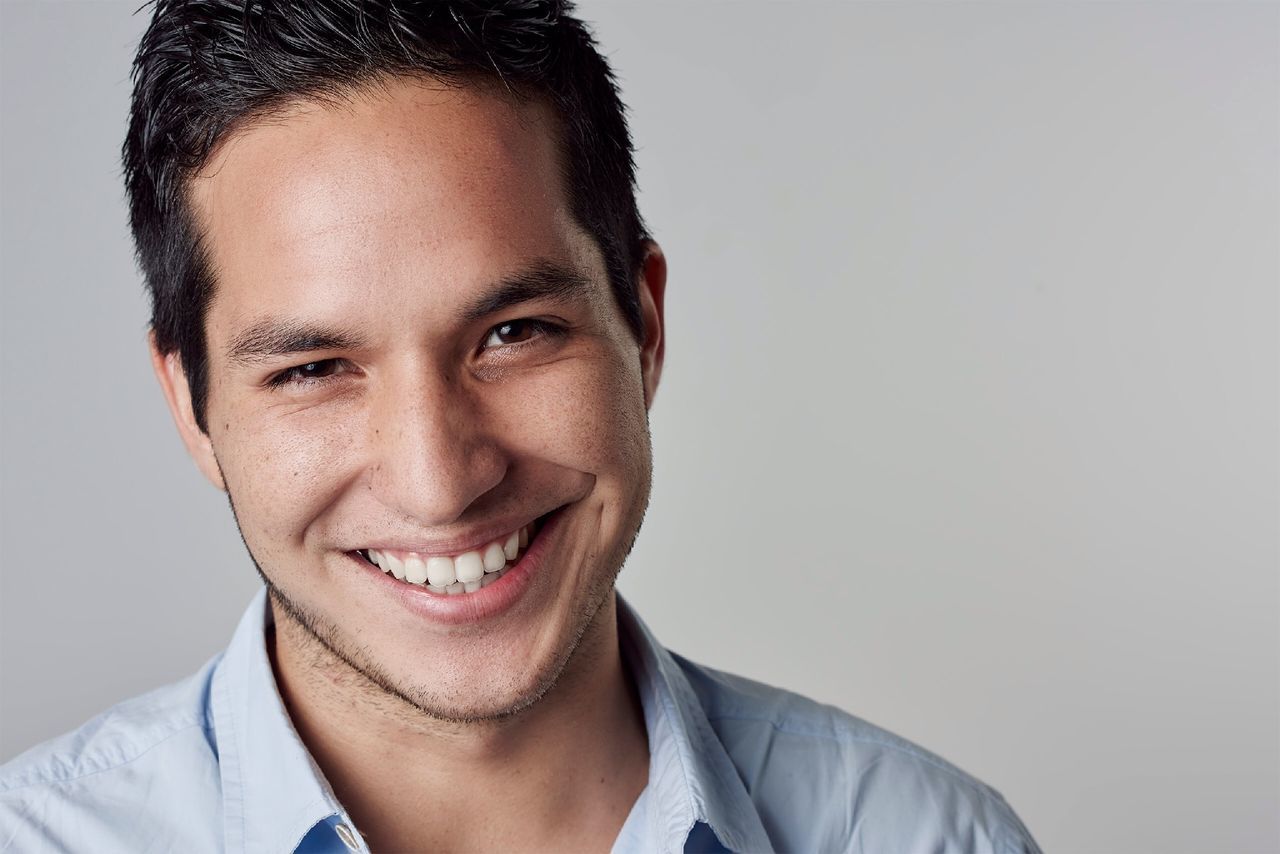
(458, 691)
(474, 691)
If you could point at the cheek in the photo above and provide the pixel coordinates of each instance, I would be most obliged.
(282, 471)
(586, 414)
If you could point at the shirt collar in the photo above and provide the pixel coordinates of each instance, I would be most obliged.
(691, 778)
(273, 792)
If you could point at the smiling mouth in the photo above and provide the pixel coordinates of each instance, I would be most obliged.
(456, 575)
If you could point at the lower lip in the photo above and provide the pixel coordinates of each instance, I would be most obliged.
(484, 604)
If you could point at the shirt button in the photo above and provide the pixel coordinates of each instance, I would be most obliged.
(348, 837)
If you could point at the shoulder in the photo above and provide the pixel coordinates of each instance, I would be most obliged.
(108, 783)
(859, 787)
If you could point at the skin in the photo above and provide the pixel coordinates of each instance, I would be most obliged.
(381, 218)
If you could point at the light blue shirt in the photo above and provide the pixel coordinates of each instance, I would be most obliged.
(213, 763)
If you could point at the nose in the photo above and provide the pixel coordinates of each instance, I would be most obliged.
(434, 454)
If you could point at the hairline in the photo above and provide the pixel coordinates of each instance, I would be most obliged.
(339, 96)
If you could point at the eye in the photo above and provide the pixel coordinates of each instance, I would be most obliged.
(307, 374)
(515, 332)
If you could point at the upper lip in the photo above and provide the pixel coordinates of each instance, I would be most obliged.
(473, 540)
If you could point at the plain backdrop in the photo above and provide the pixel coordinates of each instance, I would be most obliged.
(969, 422)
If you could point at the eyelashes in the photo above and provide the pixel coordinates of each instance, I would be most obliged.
(522, 327)
(510, 337)
(305, 375)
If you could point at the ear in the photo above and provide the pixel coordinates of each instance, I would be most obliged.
(651, 288)
(177, 393)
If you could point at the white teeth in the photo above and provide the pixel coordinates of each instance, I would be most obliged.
(415, 571)
(440, 571)
(494, 558)
(470, 566)
(452, 576)
(393, 564)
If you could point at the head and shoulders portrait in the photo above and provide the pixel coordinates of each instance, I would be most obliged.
(462, 308)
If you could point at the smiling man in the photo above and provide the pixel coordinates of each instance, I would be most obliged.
(406, 316)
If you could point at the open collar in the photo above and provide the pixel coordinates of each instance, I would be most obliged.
(273, 792)
(691, 778)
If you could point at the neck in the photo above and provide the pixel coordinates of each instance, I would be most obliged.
(561, 773)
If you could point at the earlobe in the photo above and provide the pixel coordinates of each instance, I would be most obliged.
(177, 393)
(651, 288)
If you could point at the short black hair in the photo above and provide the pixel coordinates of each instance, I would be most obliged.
(205, 68)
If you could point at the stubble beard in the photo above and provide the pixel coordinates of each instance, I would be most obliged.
(325, 648)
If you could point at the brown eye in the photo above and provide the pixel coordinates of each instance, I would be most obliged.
(314, 370)
(512, 332)
(304, 374)
(515, 332)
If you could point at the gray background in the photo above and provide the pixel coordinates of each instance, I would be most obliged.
(969, 423)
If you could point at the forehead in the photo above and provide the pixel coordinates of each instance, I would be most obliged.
(407, 182)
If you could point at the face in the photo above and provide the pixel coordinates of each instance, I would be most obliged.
(414, 353)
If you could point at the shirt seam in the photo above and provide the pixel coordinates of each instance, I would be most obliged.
(57, 780)
(844, 737)
(1008, 824)
(223, 708)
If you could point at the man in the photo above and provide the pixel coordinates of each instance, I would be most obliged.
(406, 315)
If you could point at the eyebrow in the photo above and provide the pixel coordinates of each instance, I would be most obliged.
(544, 280)
(271, 338)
